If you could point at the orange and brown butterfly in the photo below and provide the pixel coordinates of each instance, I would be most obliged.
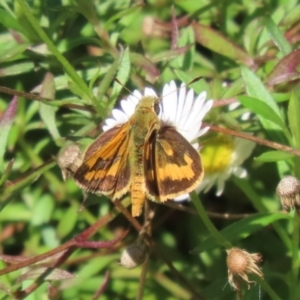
(145, 148)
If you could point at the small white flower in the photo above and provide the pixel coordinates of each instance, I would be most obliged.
(222, 157)
(178, 107)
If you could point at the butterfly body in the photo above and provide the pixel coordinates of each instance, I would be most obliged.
(143, 157)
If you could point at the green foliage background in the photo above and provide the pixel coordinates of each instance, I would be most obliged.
(70, 51)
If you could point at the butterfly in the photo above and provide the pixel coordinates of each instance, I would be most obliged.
(144, 157)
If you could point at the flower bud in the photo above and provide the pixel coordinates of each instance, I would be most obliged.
(69, 159)
(288, 191)
(240, 263)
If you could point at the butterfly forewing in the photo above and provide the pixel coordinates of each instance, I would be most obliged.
(175, 165)
(105, 166)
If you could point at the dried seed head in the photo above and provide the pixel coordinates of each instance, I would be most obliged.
(69, 159)
(133, 256)
(240, 263)
(288, 191)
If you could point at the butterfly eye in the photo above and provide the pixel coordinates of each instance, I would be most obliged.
(156, 107)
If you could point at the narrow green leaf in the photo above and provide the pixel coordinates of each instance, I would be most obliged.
(22, 67)
(256, 89)
(42, 210)
(144, 63)
(47, 112)
(293, 116)
(16, 186)
(105, 83)
(6, 172)
(11, 51)
(263, 110)
(6, 121)
(65, 64)
(285, 70)
(218, 43)
(68, 221)
(8, 21)
(170, 54)
(277, 36)
(241, 229)
(272, 156)
(122, 74)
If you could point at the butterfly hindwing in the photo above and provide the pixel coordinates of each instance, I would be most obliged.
(174, 167)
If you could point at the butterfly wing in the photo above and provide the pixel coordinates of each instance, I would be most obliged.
(105, 167)
(173, 166)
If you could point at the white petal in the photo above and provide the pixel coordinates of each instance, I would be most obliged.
(109, 123)
(196, 146)
(206, 108)
(128, 107)
(220, 187)
(243, 149)
(180, 104)
(186, 109)
(239, 172)
(233, 105)
(120, 116)
(190, 134)
(246, 116)
(195, 117)
(149, 92)
(207, 183)
(182, 198)
(169, 103)
(202, 131)
(135, 97)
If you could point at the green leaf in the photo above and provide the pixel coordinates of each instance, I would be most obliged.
(22, 67)
(42, 210)
(8, 21)
(122, 74)
(38, 30)
(285, 70)
(106, 81)
(263, 110)
(68, 220)
(170, 54)
(144, 63)
(47, 112)
(16, 186)
(272, 156)
(11, 51)
(6, 121)
(256, 89)
(241, 229)
(277, 37)
(218, 43)
(293, 116)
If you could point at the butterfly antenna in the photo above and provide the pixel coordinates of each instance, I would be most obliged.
(127, 89)
(122, 85)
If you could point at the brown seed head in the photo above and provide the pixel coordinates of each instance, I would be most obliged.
(288, 191)
(69, 159)
(133, 256)
(240, 263)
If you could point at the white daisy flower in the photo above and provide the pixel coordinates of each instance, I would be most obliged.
(178, 107)
(222, 157)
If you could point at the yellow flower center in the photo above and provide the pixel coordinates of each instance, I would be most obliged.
(216, 153)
